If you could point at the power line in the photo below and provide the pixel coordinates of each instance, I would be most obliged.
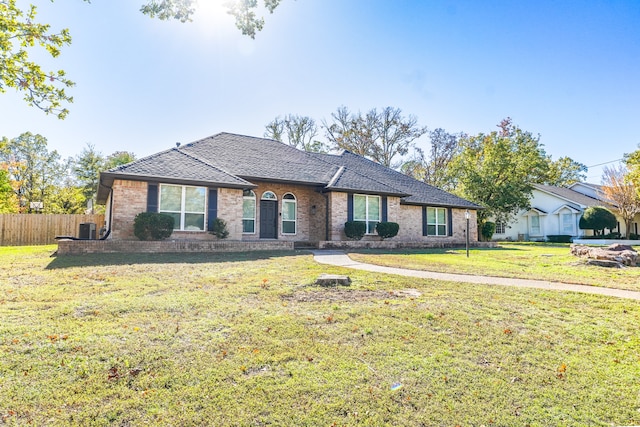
(605, 163)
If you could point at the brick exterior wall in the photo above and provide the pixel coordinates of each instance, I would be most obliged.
(411, 226)
(337, 215)
(230, 209)
(311, 208)
(129, 199)
(408, 216)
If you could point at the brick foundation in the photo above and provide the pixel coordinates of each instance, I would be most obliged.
(394, 244)
(81, 247)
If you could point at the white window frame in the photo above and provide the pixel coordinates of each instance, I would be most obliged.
(293, 201)
(269, 195)
(367, 218)
(436, 223)
(501, 227)
(532, 228)
(251, 196)
(572, 223)
(183, 210)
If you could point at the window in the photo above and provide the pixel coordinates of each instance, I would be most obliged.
(185, 204)
(269, 195)
(534, 225)
(567, 224)
(367, 209)
(248, 212)
(289, 211)
(500, 227)
(436, 221)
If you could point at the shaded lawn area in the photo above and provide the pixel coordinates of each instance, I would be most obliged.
(543, 261)
(248, 340)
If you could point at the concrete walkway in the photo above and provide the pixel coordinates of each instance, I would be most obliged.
(341, 259)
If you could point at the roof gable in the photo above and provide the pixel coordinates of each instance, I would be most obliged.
(569, 195)
(415, 192)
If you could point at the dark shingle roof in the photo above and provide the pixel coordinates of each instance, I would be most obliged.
(416, 192)
(260, 158)
(178, 165)
(234, 161)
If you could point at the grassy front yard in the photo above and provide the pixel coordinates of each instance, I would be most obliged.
(248, 340)
(520, 260)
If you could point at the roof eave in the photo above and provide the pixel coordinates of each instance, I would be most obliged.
(361, 191)
(169, 180)
(440, 204)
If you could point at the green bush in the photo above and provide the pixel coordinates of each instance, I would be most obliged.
(559, 238)
(387, 230)
(355, 229)
(220, 228)
(487, 229)
(597, 218)
(152, 226)
(634, 236)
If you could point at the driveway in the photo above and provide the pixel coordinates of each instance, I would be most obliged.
(341, 259)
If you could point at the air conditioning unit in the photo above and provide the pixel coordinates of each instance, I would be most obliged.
(87, 230)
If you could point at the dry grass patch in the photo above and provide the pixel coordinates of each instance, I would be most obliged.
(248, 340)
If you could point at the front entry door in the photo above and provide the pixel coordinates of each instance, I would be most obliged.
(268, 219)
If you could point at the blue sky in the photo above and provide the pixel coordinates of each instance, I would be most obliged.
(567, 70)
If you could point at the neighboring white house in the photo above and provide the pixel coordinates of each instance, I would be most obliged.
(556, 210)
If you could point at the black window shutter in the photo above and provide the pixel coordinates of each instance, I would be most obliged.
(424, 220)
(152, 197)
(384, 208)
(349, 207)
(449, 222)
(212, 212)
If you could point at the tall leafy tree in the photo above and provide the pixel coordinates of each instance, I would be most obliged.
(35, 170)
(434, 168)
(632, 163)
(67, 199)
(381, 135)
(20, 32)
(564, 172)
(118, 158)
(297, 131)
(622, 193)
(244, 11)
(87, 167)
(8, 199)
(497, 170)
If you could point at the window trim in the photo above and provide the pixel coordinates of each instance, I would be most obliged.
(572, 221)
(367, 220)
(295, 220)
(183, 201)
(265, 196)
(437, 224)
(537, 233)
(250, 197)
(501, 227)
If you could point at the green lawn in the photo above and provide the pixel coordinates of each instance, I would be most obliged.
(248, 340)
(545, 261)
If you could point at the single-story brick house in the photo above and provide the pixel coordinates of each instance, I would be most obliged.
(265, 189)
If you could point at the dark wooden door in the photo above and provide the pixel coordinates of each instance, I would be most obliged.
(268, 219)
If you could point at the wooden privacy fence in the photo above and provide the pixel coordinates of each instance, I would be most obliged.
(41, 229)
